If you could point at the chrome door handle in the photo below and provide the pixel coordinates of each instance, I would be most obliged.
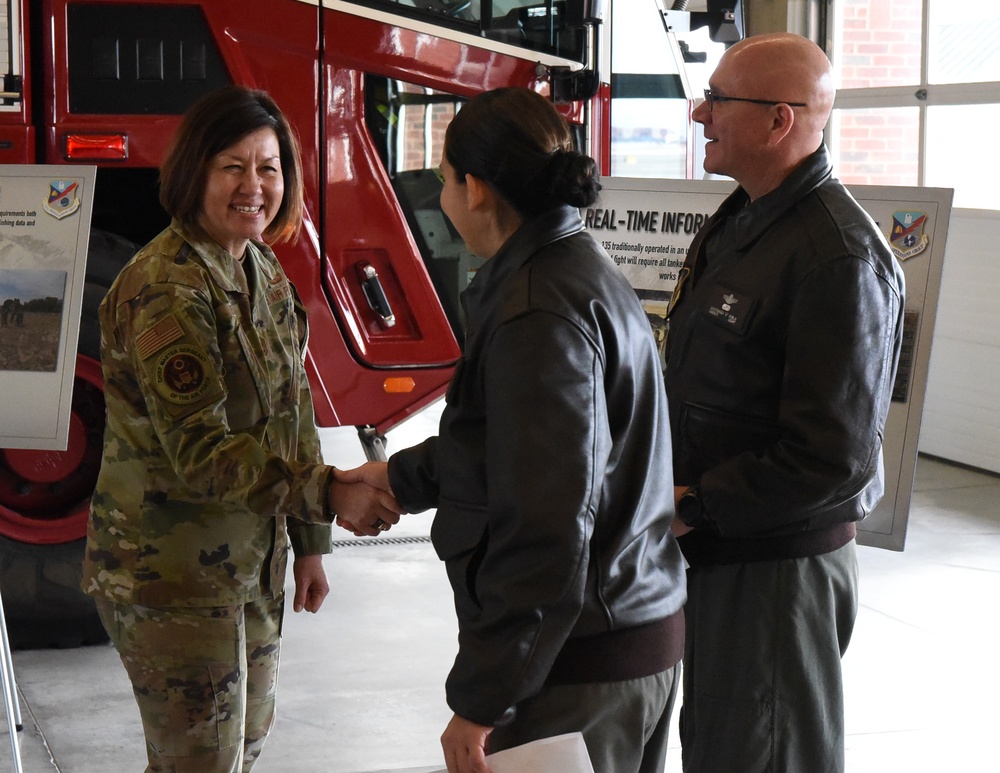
(375, 294)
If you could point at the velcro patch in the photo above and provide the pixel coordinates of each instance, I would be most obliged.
(279, 293)
(181, 374)
(731, 309)
(162, 334)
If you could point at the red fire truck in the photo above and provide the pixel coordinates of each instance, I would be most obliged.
(369, 86)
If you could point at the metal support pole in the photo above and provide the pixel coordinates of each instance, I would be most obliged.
(11, 703)
(373, 443)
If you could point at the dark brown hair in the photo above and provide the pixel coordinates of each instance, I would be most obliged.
(514, 140)
(215, 122)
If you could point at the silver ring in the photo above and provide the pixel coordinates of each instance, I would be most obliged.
(381, 525)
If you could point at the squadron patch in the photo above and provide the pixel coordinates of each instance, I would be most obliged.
(907, 237)
(181, 374)
(63, 199)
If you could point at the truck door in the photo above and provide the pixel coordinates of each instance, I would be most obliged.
(393, 267)
(17, 137)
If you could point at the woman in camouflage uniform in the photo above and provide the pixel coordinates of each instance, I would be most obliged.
(212, 462)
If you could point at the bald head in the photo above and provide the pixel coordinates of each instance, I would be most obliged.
(774, 94)
(789, 67)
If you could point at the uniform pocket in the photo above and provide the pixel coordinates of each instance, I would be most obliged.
(188, 710)
(249, 398)
(247, 392)
(187, 675)
(460, 535)
(458, 529)
(710, 436)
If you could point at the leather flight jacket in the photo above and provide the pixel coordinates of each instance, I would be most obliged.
(782, 351)
(551, 474)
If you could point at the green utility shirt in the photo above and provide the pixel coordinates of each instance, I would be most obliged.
(210, 441)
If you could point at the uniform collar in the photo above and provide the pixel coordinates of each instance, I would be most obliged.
(226, 271)
(750, 219)
(483, 291)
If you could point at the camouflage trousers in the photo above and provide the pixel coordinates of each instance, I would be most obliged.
(204, 680)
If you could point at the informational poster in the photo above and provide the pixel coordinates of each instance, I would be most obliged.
(647, 226)
(44, 233)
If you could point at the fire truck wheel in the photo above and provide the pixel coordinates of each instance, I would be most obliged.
(45, 495)
(42, 600)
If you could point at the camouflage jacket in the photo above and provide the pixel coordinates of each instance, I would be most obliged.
(210, 442)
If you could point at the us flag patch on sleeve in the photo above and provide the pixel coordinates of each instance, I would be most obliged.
(162, 334)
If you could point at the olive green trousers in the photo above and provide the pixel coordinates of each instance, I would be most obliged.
(625, 724)
(763, 689)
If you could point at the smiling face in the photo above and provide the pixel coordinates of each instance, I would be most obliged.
(735, 132)
(243, 190)
(759, 144)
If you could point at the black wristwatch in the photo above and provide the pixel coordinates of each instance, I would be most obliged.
(689, 509)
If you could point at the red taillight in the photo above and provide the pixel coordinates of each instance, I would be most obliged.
(96, 147)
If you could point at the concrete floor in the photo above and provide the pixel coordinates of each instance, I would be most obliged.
(361, 682)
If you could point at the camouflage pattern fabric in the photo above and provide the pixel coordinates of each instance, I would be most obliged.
(204, 680)
(210, 441)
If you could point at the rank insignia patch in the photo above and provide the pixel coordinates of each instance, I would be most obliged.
(181, 374)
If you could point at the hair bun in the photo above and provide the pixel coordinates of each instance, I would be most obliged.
(507, 138)
(573, 178)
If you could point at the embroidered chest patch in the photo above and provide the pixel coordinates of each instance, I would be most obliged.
(730, 309)
(181, 374)
(278, 292)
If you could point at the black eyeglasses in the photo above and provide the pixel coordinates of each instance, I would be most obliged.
(713, 98)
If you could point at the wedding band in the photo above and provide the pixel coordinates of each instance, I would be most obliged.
(381, 525)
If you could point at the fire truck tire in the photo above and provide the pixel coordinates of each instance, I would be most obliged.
(40, 572)
(42, 600)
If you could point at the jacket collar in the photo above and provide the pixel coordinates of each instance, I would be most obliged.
(223, 267)
(751, 219)
(482, 294)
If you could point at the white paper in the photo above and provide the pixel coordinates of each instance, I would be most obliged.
(559, 754)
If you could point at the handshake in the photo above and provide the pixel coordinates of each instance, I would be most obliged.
(363, 501)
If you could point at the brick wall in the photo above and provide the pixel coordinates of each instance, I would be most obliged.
(415, 133)
(878, 44)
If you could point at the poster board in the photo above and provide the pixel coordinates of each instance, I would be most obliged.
(646, 226)
(44, 234)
